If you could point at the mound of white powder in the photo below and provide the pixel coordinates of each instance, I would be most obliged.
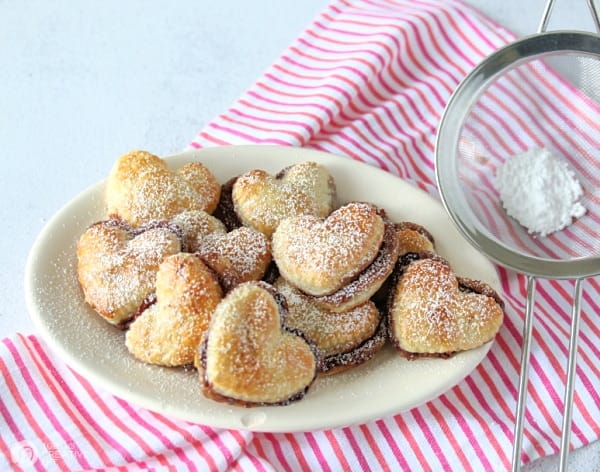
(540, 191)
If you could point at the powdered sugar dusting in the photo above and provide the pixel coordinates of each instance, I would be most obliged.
(241, 255)
(540, 191)
(117, 271)
(244, 247)
(263, 201)
(431, 314)
(196, 225)
(332, 332)
(99, 351)
(319, 256)
(169, 331)
(141, 188)
(248, 356)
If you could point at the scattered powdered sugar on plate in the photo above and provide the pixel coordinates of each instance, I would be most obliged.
(540, 191)
(385, 385)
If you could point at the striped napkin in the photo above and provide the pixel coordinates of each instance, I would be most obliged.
(368, 80)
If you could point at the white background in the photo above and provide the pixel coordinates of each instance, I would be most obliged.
(82, 82)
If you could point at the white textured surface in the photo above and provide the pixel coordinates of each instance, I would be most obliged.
(83, 82)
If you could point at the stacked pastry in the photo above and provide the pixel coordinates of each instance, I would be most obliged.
(330, 269)
(266, 282)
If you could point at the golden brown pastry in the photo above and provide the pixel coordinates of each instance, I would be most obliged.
(321, 255)
(196, 225)
(344, 339)
(117, 265)
(432, 312)
(241, 255)
(341, 260)
(248, 357)
(169, 331)
(141, 188)
(262, 201)
(370, 280)
(414, 238)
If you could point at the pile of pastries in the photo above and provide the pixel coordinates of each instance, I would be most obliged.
(265, 282)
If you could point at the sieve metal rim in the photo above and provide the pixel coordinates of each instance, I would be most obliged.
(453, 117)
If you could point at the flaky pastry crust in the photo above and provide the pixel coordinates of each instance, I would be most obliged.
(141, 188)
(261, 201)
(117, 265)
(370, 280)
(248, 357)
(340, 337)
(432, 313)
(321, 255)
(241, 255)
(196, 225)
(413, 237)
(169, 331)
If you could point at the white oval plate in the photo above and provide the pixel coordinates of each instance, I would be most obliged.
(386, 385)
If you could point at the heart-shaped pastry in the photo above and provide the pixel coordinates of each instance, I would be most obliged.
(169, 331)
(344, 339)
(248, 357)
(117, 265)
(141, 188)
(433, 312)
(241, 255)
(414, 238)
(320, 255)
(196, 225)
(262, 201)
(411, 237)
(369, 282)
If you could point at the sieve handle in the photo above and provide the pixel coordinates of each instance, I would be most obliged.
(524, 376)
(548, 12)
(570, 383)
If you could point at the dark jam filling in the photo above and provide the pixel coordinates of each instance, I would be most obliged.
(146, 303)
(225, 210)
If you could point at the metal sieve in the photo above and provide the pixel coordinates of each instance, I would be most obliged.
(542, 91)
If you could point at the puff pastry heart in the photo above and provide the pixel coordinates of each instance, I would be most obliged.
(414, 238)
(345, 339)
(434, 312)
(239, 256)
(169, 331)
(141, 188)
(248, 357)
(117, 265)
(320, 255)
(196, 225)
(262, 201)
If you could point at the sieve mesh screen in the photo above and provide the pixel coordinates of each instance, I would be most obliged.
(548, 101)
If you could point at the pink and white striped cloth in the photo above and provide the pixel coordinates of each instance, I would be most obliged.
(368, 80)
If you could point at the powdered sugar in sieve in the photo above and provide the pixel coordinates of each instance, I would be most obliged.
(540, 191)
